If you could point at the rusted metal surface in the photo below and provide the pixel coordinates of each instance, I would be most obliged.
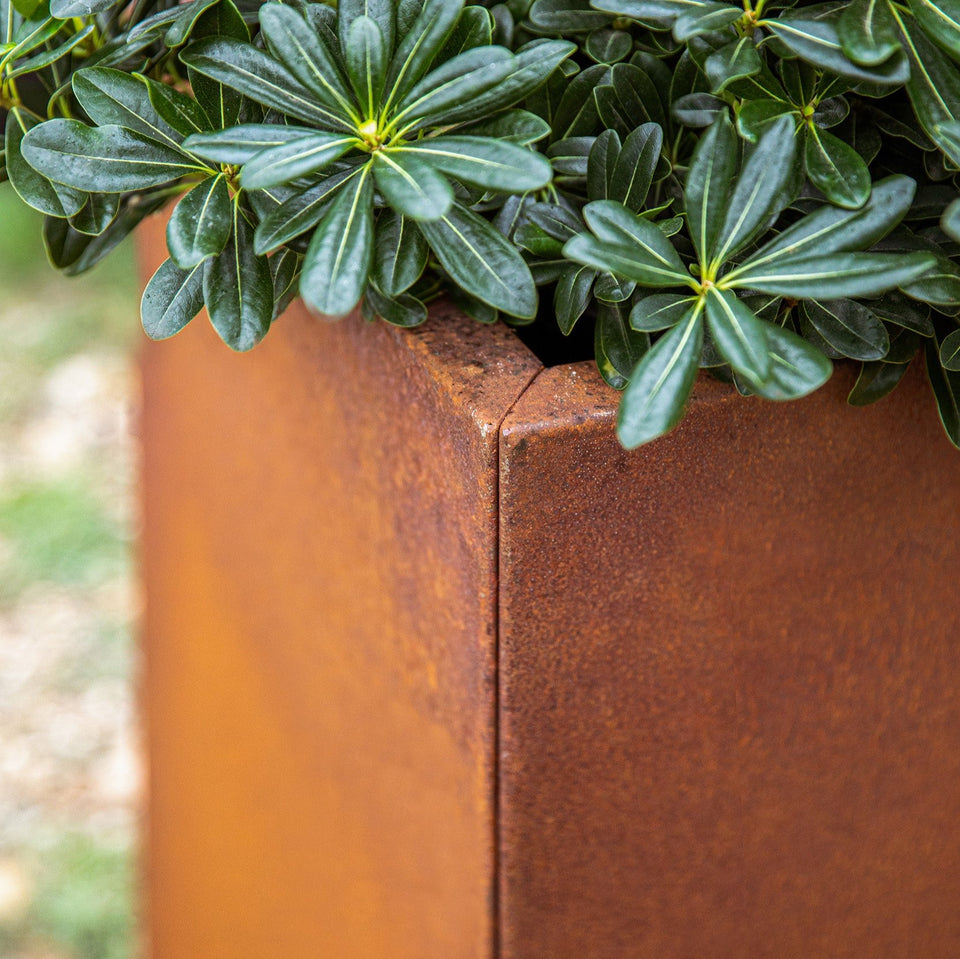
(320, 565)
(730, 679)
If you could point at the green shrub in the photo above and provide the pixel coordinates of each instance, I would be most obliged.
(755, 189)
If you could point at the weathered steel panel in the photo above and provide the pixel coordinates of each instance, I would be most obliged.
(320, 567)
(730, 663)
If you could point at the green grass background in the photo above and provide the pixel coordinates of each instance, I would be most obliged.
(63, 533)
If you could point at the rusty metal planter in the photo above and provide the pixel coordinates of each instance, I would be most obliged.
(436, 670)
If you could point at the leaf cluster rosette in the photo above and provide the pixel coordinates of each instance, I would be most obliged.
(752, 189)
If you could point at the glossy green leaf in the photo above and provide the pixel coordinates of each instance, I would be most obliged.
(413, 187)
(418, 47)
(200, 223)
(452, 86)
(708, 186)
(251, 72)
(172, 298)
(818, 42)
(482, 262)
(635, 167)
(401, 254)
(240, 144)
(950, 352)
(618, 348)
(298, 158)
(833, 230)
(738, 334)
(796, 367)
(572, 296)
(304, 53)
(836, 168)
(108, 159)
(940, 20)
(111, 97)
(366, 56)
(298, 213)
(950, 224)
(660, 311)
(660, 386)
(867, 32)
(53, 199)
(762, 190)
(946, 390)
(849, 327)
(485, 163)
(734, 61)
(611, 223)
(96, 214)
(402, 310)
(876, 380)
(178, 111)
(238, 289)
(834, 276)
(381, 12)
(340, 255)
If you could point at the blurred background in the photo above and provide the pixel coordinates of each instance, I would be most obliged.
(70, 770)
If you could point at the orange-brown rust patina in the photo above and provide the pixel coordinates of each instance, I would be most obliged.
(728, 717)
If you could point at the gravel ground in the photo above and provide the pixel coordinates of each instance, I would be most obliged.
(70, 771)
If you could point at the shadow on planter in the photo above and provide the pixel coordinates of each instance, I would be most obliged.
(437, 670)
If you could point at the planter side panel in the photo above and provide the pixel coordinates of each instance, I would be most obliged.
(320, 565)
(730, 679)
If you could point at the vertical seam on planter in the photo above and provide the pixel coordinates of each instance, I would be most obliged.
(495, 939)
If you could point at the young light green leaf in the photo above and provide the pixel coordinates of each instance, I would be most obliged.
(200, 223)
(107, 159)
(238, 289)
(340, 255)
(660, 386)
(172, 298)
(482, 261)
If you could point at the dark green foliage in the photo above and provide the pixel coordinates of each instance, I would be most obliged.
(753, 189)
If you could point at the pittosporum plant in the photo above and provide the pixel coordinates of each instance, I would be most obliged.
(752, 189)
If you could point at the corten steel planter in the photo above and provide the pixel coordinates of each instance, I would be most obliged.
(435, 670)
